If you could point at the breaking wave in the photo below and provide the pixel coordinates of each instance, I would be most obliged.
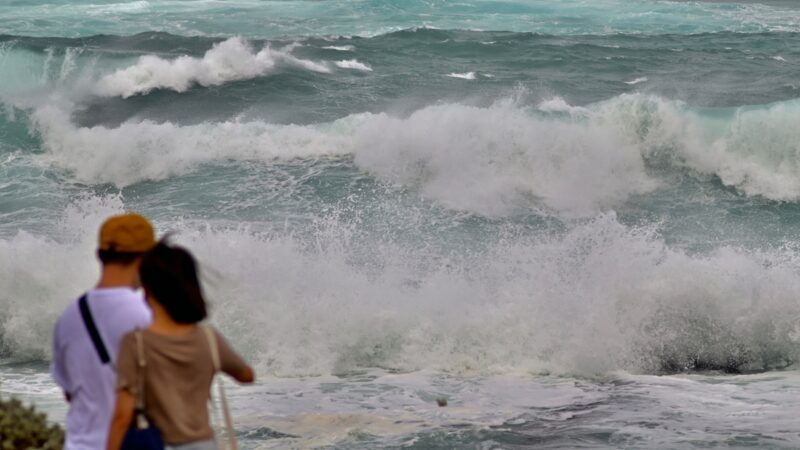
(230, 60)
(491, 160)
(642, 306)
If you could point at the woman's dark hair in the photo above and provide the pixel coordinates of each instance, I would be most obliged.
(169, 274)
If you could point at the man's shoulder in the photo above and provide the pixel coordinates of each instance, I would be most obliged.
(121, 307)
(117, 298)
(68, 316)
(112, 293)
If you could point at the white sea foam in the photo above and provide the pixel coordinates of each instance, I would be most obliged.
(494, 160)
(643, 306)
(753, 149)
(340, 48)
(68, 65)
(497, 160)
(230, 60)
(353, 64)
(558, 104)
(117, 8)
(463, 76)
(636, 81)
(137, 151)
(779, 58)
(512, 308)
(34, 297)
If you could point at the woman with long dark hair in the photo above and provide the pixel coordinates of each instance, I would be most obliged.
(167, 369)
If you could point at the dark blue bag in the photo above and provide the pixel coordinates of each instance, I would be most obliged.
(141, 435)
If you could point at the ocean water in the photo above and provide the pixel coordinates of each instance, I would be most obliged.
(577, 221)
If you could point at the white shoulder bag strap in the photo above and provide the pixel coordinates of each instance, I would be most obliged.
(229, 431)
(141, 363)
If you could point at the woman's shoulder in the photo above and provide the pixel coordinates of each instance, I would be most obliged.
(130, 336)
(220, 339)
(191, 338)
(132, 333)
(128, 342)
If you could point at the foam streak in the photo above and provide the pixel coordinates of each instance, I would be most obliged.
(230, 60)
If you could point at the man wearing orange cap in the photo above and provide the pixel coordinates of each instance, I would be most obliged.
(88, 333)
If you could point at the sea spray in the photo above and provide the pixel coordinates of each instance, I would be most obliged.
(729, 143)
(41, 274)
(230, 60)
(511, 307)
(493, 160)
(508, 307)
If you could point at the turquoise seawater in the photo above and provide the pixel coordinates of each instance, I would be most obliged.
(575, 220)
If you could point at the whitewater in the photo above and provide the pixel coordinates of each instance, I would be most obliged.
(577, 222)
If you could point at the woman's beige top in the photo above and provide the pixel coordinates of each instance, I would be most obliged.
(177, 380)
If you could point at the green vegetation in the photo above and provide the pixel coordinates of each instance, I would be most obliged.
(23, 428)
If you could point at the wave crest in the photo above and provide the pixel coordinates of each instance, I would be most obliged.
(230, 60)
(494, 160)
(598, 297)
(755, 149)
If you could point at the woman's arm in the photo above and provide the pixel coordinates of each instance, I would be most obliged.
(232, 363)
(123, 414)
(244, 375)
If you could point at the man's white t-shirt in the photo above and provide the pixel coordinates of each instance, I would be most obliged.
(77, 367)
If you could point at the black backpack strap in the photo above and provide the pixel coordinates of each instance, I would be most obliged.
(88, 320)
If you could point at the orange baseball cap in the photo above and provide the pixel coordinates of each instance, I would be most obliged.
(127, 233)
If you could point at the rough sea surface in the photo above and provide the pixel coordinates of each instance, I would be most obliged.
(576, 221)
